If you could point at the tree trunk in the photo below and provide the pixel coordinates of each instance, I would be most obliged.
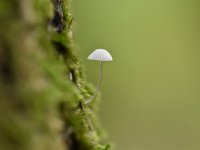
(42, 86)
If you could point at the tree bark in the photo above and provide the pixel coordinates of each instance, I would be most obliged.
(42, 85)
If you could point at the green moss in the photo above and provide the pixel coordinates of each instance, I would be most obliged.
(41, 103)
(44, 9)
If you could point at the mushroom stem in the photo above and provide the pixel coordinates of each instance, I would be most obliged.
(97, 87)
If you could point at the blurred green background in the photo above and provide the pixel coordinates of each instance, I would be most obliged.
(151, 91)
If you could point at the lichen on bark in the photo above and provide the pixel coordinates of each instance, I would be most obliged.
(42, 83)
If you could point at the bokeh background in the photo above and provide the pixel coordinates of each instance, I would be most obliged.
(151, 91)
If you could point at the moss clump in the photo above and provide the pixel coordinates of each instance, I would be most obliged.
(42, 84)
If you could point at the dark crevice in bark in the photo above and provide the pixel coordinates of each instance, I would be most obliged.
(57, 20)
(6, 65)
(58, 24)
(61, 49)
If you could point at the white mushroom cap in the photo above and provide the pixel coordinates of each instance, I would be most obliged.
(101, 55)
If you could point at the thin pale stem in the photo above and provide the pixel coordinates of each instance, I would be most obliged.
(98, 85)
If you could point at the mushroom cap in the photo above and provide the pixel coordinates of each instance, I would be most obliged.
(100, 55)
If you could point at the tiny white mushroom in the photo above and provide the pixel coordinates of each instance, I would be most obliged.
(99, 55)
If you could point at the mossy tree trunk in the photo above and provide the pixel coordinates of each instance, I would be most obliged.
(42, 86)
